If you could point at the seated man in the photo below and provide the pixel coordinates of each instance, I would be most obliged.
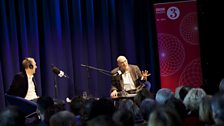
(127, 77)
(23, 84)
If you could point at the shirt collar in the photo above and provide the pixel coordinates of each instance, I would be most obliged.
(30, 76)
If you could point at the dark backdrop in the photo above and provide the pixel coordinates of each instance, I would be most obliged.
(211, 40)
(68, 33)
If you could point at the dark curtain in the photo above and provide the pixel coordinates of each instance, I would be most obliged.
(68, 33)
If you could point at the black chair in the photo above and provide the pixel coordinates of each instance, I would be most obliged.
(27, 107)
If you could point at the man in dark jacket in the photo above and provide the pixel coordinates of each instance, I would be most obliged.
(23, 84)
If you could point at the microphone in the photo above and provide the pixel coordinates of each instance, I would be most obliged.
(59, 72)
(117, 73)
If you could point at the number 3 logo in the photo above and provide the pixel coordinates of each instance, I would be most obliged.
(173, 13)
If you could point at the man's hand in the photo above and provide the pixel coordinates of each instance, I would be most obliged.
(114, 94)
(145, 74)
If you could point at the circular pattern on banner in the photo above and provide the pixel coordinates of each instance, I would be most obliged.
(191, 74)
(171, 54)
(189, 28)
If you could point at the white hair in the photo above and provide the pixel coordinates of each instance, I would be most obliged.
(193, 98)
(121, 58)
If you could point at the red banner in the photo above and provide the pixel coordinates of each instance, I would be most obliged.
(178, 44)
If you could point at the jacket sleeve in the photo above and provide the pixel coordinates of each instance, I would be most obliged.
(115, 82)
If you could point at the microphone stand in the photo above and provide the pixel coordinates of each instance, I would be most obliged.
(105, 72)
(108, 73)
(55, 87)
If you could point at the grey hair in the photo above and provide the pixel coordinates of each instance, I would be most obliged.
(193, 98)
(221, 85)
(163, 95)
(217, 105)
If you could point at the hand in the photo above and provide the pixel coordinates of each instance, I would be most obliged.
(145, 74)
(114, 94)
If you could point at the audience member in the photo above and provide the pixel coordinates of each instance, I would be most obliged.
(12, 116)
(217, 105)
(163, 95)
